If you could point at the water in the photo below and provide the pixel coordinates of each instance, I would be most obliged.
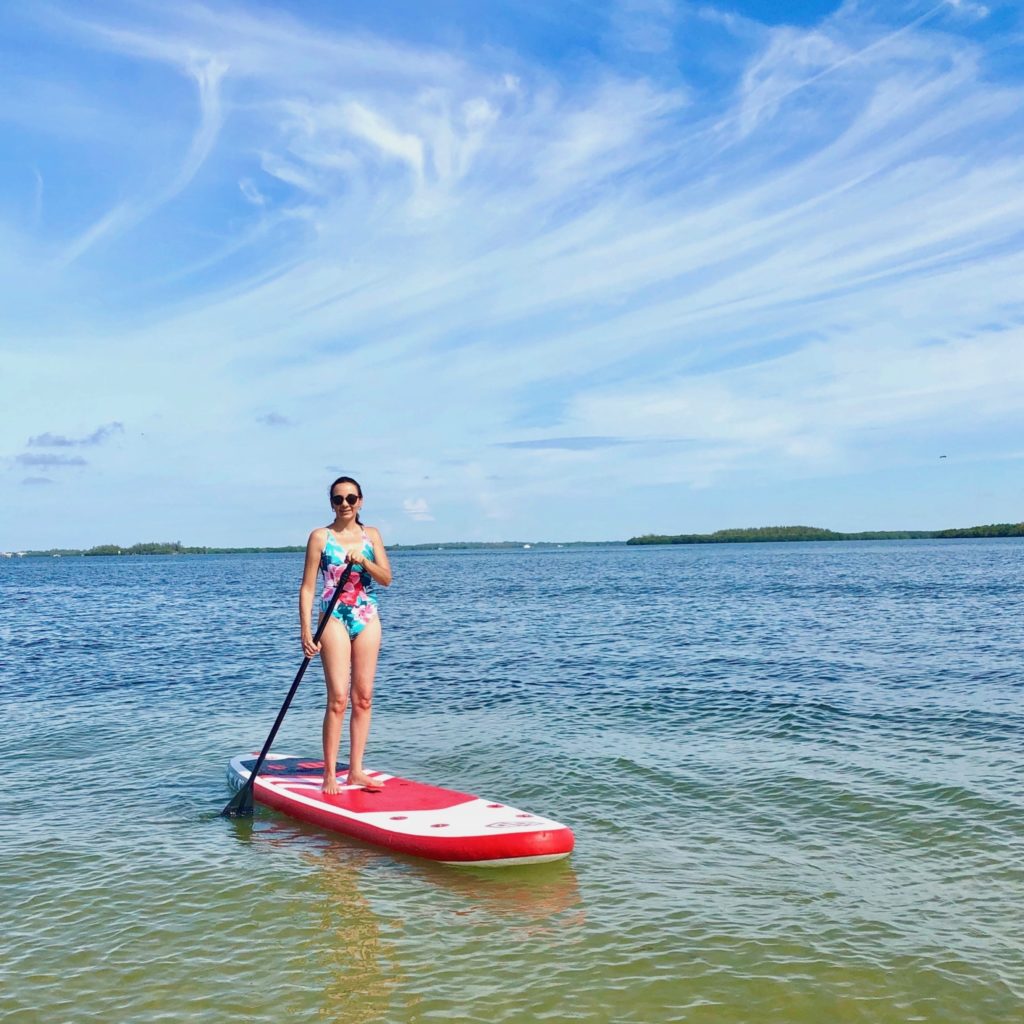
(795, 773)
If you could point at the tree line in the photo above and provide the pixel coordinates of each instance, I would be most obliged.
(795, 533)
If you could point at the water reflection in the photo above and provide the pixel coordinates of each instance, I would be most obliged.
(362, 967)
(538, 898)
(360, 951)
(533, 893)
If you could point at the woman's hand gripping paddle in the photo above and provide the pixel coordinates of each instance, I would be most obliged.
(240, 805)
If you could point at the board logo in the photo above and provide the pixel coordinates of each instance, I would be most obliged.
(505, 824)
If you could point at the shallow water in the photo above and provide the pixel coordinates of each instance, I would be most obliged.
(795, 774)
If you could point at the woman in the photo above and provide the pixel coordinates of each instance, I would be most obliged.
(350, 642)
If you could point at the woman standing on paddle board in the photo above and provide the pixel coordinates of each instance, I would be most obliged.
(350, 643)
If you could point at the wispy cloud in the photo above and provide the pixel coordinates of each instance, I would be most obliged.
(206, 74)
(970, 9)
(252, 193)
(643, 26)
(31, 459)
(98, 436)
(418, 510)
(572, 444)
(273, 419)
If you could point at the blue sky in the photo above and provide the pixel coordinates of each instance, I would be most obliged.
(527, 270)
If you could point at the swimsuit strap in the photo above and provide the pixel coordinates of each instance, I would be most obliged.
(327, 556)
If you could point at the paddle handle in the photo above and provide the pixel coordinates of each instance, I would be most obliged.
(241, 802)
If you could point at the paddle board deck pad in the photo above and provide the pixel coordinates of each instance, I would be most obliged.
(406, 816)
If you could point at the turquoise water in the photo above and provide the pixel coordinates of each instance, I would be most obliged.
(795, 773)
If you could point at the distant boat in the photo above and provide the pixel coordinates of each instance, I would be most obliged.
(526, 547)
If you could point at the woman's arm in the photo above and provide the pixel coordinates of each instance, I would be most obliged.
(307, 589)
(380, 568)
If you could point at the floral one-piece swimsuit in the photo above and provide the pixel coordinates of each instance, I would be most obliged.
(357, 605)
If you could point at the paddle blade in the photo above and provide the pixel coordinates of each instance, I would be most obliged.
(240, 805)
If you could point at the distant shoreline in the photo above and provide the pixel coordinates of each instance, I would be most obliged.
(774, 534)
(177, 548)
(758, 534)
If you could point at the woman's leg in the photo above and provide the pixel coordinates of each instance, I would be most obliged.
(365, 649)
(336, 657)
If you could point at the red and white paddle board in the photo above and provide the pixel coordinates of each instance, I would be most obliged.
(406, 816)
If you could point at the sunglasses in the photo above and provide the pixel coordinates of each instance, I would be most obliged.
(340, 499)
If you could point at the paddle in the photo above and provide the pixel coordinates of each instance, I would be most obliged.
(240, 805)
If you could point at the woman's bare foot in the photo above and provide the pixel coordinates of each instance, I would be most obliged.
(362, 779)
(330, 785)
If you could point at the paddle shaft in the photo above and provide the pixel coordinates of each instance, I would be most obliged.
(240, 805)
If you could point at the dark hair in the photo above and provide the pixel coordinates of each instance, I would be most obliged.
(347, 480)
